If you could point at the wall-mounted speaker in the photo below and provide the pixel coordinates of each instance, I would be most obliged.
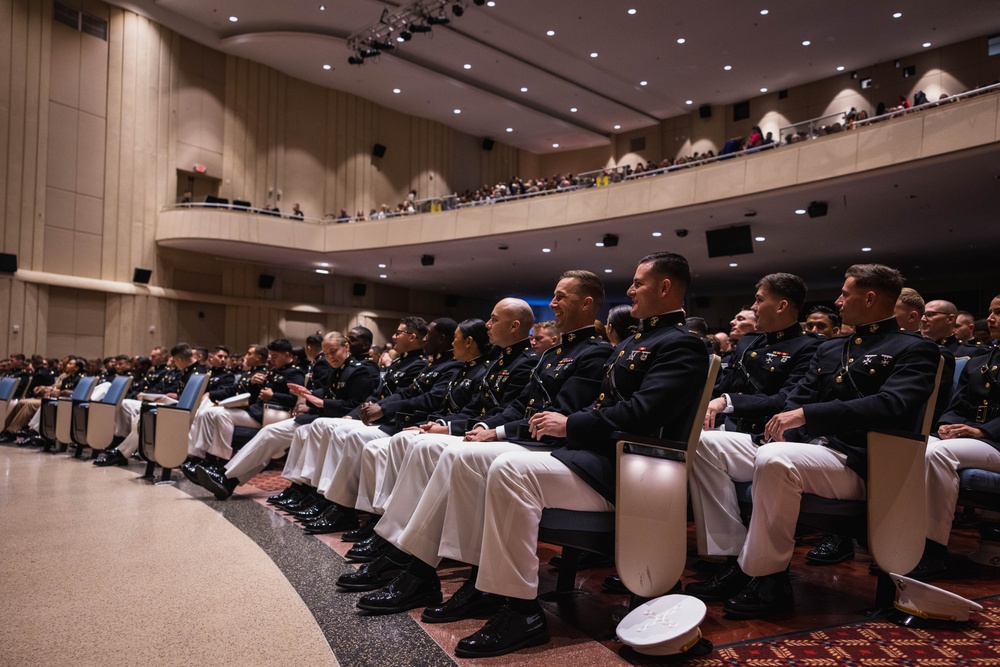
(378, 150)
(8, 262)
(487, 144)
(729, 241)
(427, 260)
(360, 289)
(817, 209)
(705, 111)
(265, 281)
(141, 276)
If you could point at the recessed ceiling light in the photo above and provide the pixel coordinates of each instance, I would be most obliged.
(458, 111)
(763, 90)
(927, 45)
(551, 33)
(382, 275)
(397, 91)
(381, 266)
(897, 15)
(467, 66)
(233, 19)
(763, 12)
(573, 109)
(733, 264)
(607, 270)
(555, 145)
(323, 271)
(644, 83)
(631, 11)
(688, 101)
(800, 211)
(546, 249)
(326, 67)
(806, 43)
(759, 238)
(727, 67)
(400, 39)
(324, 263)
(510, 129)
(618, 127)
(599, 244)
(681, 40)
(657, 233)
(840, 68)
(322, 8)
(523, 89)
(866, 249)
(491, 4)
(593, 54)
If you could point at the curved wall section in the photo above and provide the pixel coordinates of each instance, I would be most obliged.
(949, 128)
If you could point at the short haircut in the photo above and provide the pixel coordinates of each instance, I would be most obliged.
(182, 350)
(521, 311)
(160, 349)
(475, 329)
(201, 352)
(417, 325)
(965, 313)
(670, 265)
(314, 340)
(259, 350)
(280, 345)
(301, 358)
(223, 348)
(547, 325)
(911, 297)
(445, 326)
(829, 312)
(337, 338)
(123, 357)
(587, 284)
(981, 325)
(786, 286)
(364, 333)
(697, 324)
(879, 278)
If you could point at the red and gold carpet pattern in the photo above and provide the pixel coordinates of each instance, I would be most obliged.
(872, 644)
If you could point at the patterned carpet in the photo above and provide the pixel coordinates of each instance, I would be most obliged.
(873, 644)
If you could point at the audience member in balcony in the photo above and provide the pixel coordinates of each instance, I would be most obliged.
(296, 211)
(186, 199)
(756, 137)
(344, 216)
(965, 322)
(968, 436)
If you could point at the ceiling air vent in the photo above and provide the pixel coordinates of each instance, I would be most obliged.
(67, 15)
(77, 20)
(95, 27)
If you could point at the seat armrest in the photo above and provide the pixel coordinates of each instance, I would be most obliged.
(649, 441)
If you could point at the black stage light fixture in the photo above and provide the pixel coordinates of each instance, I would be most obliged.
(610, 240)
(405, 34)
(381, 46)
(369, 53)
(419, 27)
(817, 209)
(356, 60)
(457, 10)
(479, 3)
(440, 19)
(427, 260)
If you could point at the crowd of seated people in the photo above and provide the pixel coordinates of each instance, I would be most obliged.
(454, 446)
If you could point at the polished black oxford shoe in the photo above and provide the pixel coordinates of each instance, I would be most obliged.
(762, 597)
(722, 585)
(586, 561)
(367, 549)
(190, 470)
(467, 602)
(832, 550)
(287, 494)
(407, 591)
(374, 575)
(215, 480)
(312, 511)
(360, 533)
(111, 458)
(508, 631)
(336, 523)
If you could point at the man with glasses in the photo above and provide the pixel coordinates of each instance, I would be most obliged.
(938, 324)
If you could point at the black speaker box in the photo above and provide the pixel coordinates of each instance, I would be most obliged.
(142, 276)
(8, 262)
(729, 241)
(360, 289)
(265, 281)
(378, 150)
(705, 111)
(487, 144)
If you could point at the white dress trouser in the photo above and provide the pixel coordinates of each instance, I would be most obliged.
(783, 471)
(721, 459)
(387, 462)
(342, 466)
(944, 459)
(308, 448)
(520, 484)
(373, 456)
(272, 441)
(212, 431)
(125, 415)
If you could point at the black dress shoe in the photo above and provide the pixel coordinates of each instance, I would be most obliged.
(506, 632)
(930, 567)
(215, 480)
(724, 584)
(337, 523)
(367, 549)
(301, 502)
(407, 591)
(467, 602)
(832, 550)
(587, 560)
(111, 458)
(360, 533)
(312, 511)
(762, 597)
(190, 470)
(374, 575)
(284, 495)
(6, 437)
